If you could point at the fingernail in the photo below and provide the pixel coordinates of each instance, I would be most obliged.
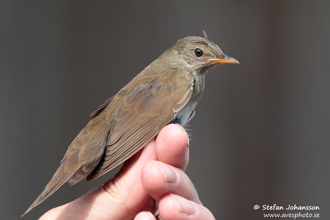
(184, 131)
(168, 173)
(184, 206)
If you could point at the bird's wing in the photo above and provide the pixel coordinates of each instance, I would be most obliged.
(141, 113)
(120, 127)
(101, 107)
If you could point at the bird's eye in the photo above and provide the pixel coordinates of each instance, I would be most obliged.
(198, 52)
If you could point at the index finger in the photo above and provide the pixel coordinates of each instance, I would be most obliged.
(172, 146)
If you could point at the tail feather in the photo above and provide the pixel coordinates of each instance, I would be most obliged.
(54, 184)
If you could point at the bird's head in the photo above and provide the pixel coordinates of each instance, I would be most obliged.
(199, 54)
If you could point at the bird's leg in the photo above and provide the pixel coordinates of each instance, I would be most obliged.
(156, 211)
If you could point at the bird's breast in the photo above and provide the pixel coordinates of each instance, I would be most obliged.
(188, 111)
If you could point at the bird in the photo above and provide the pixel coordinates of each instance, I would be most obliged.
(166, 91)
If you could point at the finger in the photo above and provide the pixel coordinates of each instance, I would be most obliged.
(145, 216)
(173, 207)
(172, 146)
(159, 179)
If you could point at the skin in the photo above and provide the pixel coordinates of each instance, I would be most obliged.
(155, 173)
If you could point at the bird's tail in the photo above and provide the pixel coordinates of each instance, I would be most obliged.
(54, 184)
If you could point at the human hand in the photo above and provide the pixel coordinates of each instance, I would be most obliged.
(155, 173)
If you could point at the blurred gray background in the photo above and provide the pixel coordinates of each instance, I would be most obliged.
(260, 135)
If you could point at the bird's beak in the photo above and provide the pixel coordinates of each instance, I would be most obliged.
(224, 59)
